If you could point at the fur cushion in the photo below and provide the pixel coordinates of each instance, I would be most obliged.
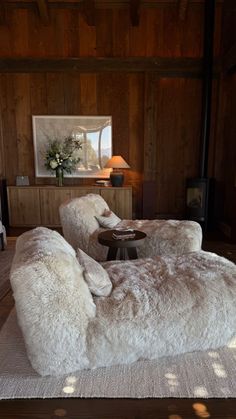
(95, 275)
(163, 306)
(79, 219)
(159, 306)
(108, 219)
(53, 302)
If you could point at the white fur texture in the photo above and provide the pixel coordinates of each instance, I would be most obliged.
(95, 275)
(158, 306)
(53, 302)
(164, 237)
(78, 219)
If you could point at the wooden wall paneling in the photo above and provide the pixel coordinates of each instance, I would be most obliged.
(43, 11)
(38, 102)
(72, 93)
(50, 200)
(155, 30)
(55, 94)
(24, 126)
(72, 38)
(172, 33)
(190, 120)
(177, 141)
(150, 127)
(218, 27)
(38, 94)
(120, 33)
(134, 176)
(88, 94)
(3, 13)
(193, 31)
(150, 143)
(138, 36)
(230, 153)
(2, 157)
(86, 39)
(104, 99)
(40, 37)
(59, 32)
(24, 206)
(2, 150)
(104, 20)
(219, 157)
(212, 140)
(167, 142)
(5, 41)
(228, 32)
(183, 7)
(119, 92)
(9, 127)
(19, 32)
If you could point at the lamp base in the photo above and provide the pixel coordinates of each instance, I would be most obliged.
(117, 179)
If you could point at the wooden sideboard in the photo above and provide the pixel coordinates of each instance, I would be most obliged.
(31, 206)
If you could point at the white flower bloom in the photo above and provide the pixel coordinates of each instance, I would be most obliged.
(53, 164)
(57, 155)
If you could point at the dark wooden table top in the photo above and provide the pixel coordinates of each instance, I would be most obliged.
(106, 239)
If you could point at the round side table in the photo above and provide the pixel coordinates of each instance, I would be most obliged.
(125, 245)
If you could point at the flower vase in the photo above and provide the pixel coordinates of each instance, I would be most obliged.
(59, 176)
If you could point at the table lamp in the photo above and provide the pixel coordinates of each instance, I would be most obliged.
(117, 176)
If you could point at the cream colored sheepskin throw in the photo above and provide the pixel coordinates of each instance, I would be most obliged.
(53, 302)
(158, 307)
(79, 219)
(95, 275)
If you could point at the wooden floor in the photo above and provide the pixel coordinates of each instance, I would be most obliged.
(122, 408)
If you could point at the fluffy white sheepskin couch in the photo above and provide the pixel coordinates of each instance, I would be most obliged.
(151, 307)
(83, 218)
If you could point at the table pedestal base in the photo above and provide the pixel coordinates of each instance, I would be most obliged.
(131, 253)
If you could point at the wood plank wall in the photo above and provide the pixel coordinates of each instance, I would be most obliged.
(156, 118)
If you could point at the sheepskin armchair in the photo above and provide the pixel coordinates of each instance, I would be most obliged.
(150, 312)
(164, 237)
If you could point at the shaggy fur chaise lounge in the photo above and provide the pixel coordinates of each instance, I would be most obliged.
(157, 307)
(80, 218)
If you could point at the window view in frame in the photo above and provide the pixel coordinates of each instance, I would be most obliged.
(94, 132)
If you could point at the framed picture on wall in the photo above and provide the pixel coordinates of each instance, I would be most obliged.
(93, 132)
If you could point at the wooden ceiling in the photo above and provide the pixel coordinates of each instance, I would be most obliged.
(88, 7)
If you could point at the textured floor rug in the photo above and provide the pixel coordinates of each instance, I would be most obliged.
(6, 257)
(199, 374)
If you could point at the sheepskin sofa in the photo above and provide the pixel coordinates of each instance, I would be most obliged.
(158, 307)
(80, 225)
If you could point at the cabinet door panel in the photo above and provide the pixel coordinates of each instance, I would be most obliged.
(50, 200)
(119, 201)
(76, 193)
(24, 206)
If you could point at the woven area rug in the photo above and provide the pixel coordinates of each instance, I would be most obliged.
(199, 374)
(6, 257)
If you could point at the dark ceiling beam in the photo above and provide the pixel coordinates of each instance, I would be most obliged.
(100, 4)
(183, 5)
(3, 14)
(134, 8)
(87, 8)
(43, 11)
(166, 67)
